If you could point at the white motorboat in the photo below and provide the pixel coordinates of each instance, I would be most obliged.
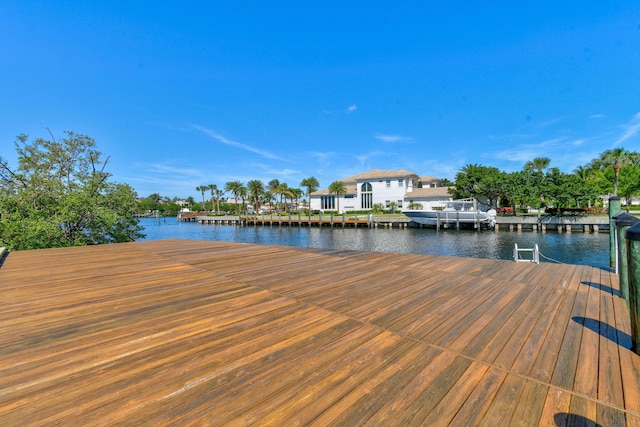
(463, 212)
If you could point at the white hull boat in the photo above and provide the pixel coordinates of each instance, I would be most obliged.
(463, 212)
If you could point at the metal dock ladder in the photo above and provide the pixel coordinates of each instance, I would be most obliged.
(535, 254)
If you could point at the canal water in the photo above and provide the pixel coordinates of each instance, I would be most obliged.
(571, 248)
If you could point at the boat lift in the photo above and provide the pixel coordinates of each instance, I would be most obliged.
(535, 254)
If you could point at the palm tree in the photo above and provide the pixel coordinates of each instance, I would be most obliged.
(312, 185)
(212, 188)
(538, 164)
(296, 193)
(338, 188)
(282, 190)
(255, 189)
(243, 196)
(272, 186)
(235, 188)
(616, 159)
(219, 195)
(202, 189)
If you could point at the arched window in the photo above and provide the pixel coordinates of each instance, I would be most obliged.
(366, 196)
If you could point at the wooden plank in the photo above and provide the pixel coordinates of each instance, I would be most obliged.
(503, 404)
(609, 372)
(556, 408)
(586, 374)
(475, 407)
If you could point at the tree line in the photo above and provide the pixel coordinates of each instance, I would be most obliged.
(249, 197)
(614, 172)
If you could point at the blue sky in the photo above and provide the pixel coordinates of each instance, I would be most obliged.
(181, 94)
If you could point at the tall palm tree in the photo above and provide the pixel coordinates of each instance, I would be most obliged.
(255, 189)
(235, 188)
(202, 189)
(296, 193)
(338, 188)
(212, 188)
(272, 187)
(282, 190)
(312, 185)
(243, 196)
(219, 195)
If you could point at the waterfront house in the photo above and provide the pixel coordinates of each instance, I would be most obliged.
(384, 187)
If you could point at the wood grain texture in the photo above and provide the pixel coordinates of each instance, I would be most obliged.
(179, 332)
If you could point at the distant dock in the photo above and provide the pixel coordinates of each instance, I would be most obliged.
(560, 224)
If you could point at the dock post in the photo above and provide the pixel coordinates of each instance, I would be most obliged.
(633, 257)
(457, 220)
(623, 221)
(614, 208)
(438, 221)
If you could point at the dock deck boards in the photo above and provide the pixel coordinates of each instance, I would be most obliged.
(179, 332)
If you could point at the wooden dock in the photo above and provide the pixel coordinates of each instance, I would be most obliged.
(178, 332)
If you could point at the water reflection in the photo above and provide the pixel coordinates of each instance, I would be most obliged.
(573, 248)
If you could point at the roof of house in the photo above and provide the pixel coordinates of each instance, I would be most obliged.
(429, 178)
(428, 192)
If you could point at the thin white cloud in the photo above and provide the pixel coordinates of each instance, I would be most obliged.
(164, 169)
(323, 158)
(351, 108)
(597, 116)
(631, 130)
(231, 143)
(527, 152)
(363, 158)
(392, 138)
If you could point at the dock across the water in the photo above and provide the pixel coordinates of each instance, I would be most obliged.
(568, 224)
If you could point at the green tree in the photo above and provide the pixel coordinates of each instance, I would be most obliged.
(475, 181)
(338, 188)
(202, 189)
(296, 194)
(629, 185)
(255, 190)
(312, 185)
(613, 161)
(60, 195)
(273, 187)
(235, 188)
(213, 188)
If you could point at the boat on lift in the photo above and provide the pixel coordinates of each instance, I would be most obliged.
(463, 212)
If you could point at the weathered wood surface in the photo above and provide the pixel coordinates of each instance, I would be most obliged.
(181, 332)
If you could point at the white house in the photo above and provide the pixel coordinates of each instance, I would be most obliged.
(385, 187)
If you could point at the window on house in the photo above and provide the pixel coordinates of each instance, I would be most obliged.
(327, 202)
(366, 196)
(400, 182)
(388, 183)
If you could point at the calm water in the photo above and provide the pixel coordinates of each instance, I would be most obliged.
(573, 248)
